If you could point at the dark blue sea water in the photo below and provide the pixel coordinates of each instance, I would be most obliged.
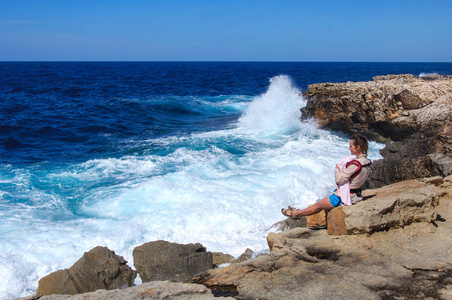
(121, 153)
(74, 111)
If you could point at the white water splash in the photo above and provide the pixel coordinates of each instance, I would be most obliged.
(427, 74)
(276, 111)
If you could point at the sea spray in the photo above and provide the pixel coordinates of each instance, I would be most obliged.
(276, 111)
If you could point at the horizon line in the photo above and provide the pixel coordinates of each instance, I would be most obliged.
(227, 61)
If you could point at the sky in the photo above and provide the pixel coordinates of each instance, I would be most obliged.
(217, 30)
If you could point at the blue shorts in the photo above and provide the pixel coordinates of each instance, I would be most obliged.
(335, 200)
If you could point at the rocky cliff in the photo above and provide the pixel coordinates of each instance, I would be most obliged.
(413, 115)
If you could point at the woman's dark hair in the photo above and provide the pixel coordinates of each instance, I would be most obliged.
(360, 140)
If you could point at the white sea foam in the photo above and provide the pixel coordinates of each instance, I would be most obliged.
(222, 188)
(427, 74)
(275, 111)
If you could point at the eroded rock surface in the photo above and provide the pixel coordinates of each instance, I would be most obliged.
(162, 260)
(100, 268)
(392, 206)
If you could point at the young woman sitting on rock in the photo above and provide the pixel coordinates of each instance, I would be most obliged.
(350, 175)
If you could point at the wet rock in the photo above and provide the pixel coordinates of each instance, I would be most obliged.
(100, 268)
(162, 260)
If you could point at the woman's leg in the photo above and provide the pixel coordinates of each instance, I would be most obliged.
(323, 204)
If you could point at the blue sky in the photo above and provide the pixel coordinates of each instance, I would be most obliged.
(217, 30)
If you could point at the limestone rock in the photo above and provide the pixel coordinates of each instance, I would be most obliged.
(317, 220)
(409, 100)
(99, 268)
(392, 206)
(379, 106)
(161, 260)
(156, 290)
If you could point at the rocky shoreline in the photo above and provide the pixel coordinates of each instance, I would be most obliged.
(395, 245)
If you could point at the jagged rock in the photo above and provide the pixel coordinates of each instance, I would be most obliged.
(100, 268)
(401, 263)
(415, 112)
(245, 256)
(156, 290)
(392, 206)
(162, 260)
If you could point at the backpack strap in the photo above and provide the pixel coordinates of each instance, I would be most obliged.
(358, 164)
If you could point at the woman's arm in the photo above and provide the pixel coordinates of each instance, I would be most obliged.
(342, 177)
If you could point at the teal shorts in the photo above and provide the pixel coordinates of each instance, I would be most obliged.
(335, 200)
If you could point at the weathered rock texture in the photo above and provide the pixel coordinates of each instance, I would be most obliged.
(161, 260)
(157, 290)
(402, 262)
(415, 113)
(220, 258)
(395, 206)
(100, 268)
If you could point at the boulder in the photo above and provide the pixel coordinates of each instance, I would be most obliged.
(162, 260)
(99, 268)
(392, 206)
(409, 100)
(156, 290)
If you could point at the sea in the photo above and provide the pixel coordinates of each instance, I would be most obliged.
(118, 154)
